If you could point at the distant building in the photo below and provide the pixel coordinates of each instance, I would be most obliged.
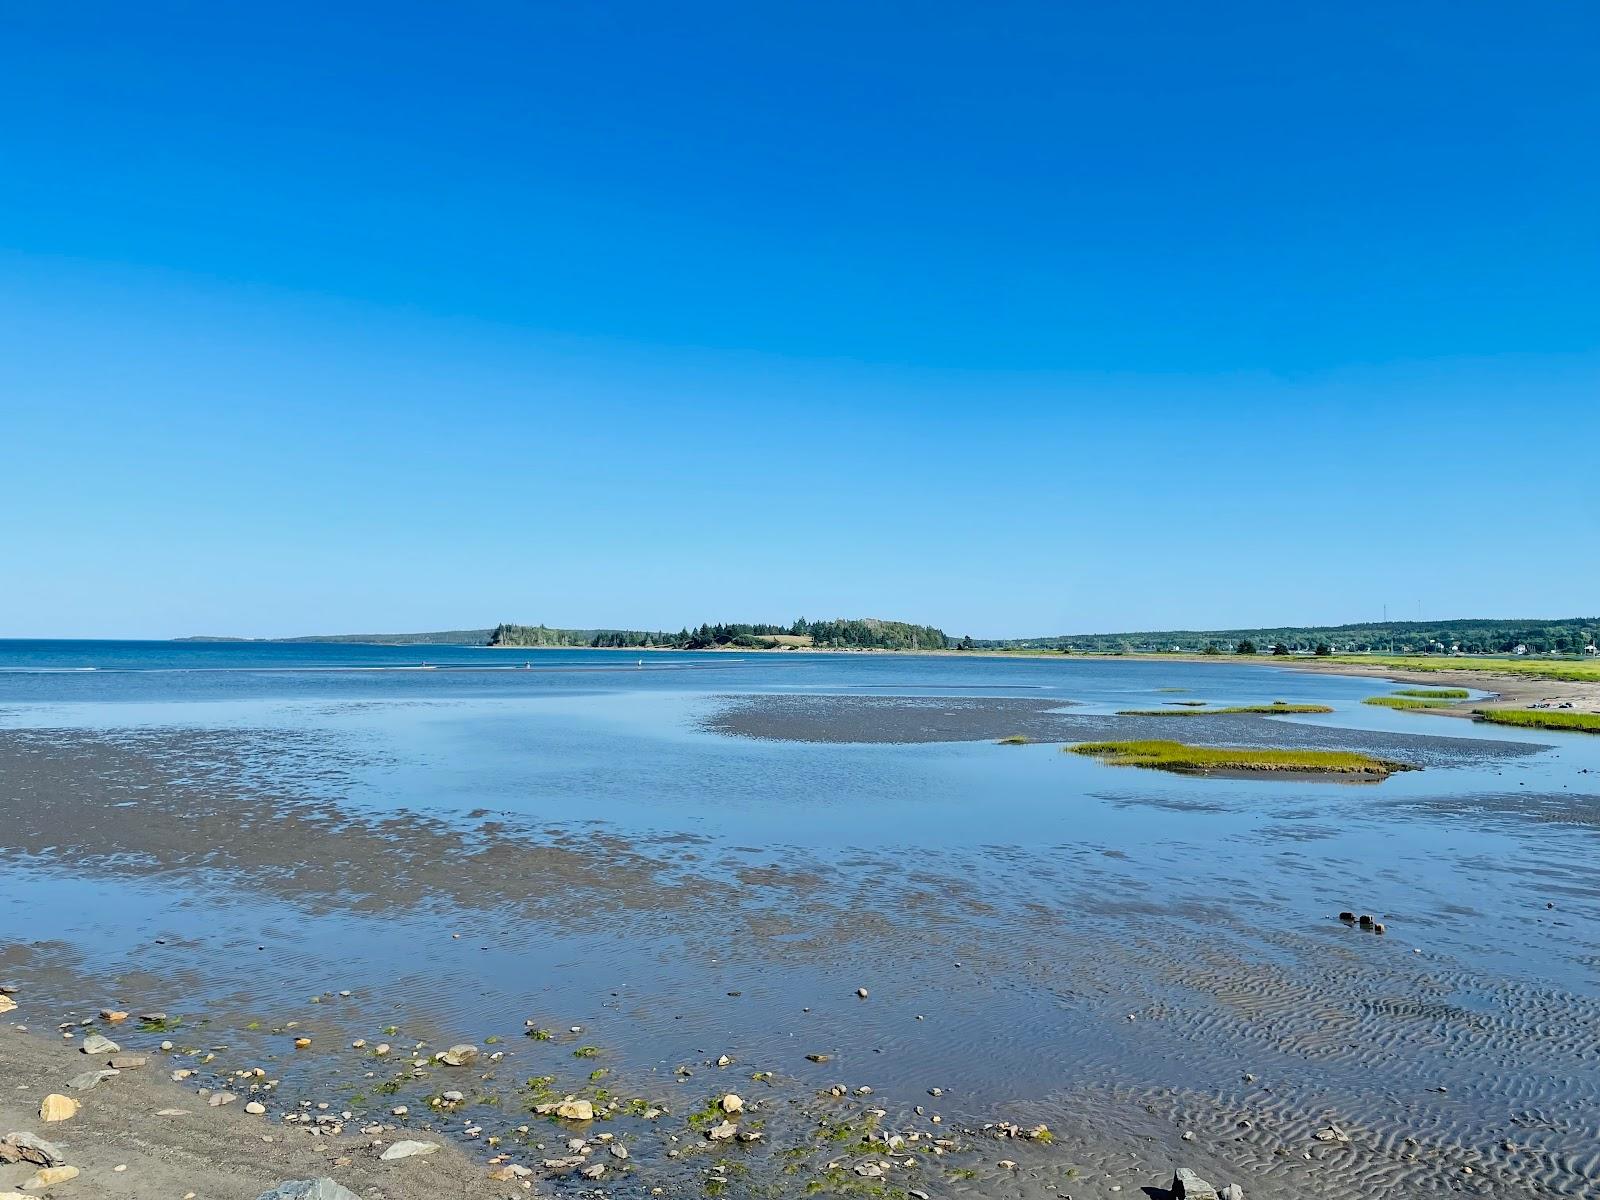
(1520, 649)
(1591, 650)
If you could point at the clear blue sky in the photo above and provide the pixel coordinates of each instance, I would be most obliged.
(1012, 318)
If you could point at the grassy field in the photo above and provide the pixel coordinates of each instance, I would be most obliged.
(1403, 701)
(1530, 718)
(1435, 693)
(1571, 669)
(1176, 756)
(1278, 707)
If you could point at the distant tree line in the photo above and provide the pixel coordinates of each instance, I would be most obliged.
(1476, 636)
(864, 634)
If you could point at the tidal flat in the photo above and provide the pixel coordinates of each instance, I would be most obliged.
(610, 884)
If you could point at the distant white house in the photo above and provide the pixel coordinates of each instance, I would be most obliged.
(1520, 649)
(1591, 651)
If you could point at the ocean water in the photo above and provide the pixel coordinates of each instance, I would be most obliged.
(467, 839)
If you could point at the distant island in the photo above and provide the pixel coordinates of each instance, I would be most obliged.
(863, 633)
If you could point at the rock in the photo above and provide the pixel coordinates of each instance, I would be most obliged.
(1365, 922)
(114, 1015)
(309, 1189)
(722, 1132)
(218, 1099)
(172, 1112)
(1233, 1192)
(89, 1079)
(563, 1164)
(1186, 1185)
(48, 1177)
(575, 1110)
(1331, 1134)
(869, 1170)
(56, 1107)
(593, 1172)
(617, 1151)
(7, 1004)
(862, 992)
(127, 1062)
(255, 1108)
(302, 1043)
(508, 1173)
(96, 1043)
(381, 1049)
(1379, 927)
(154, 1017)
(818, 1058)
(732, 1103)
(462, 1055)
(30, 1148)
(407, 1149)
(454, 1097)
(181, 1074)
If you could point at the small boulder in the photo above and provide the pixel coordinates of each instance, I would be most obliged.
(30, 1148)
(407, 1149)
(56, 1107)
(127, 1062)
(575, 1110)
(96, 1043)
(89, 1079)
(309, 1189)
(7, 1004)
(48, 1177)
(1233, 1192)
(732, 1104)
(463, 1054)
(1186, 1185)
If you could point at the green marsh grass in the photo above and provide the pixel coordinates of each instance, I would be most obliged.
(1177, 756)
(1570, 669)
(1435, 693)
(1277, 707)
(1404, 702)
(1530, 718)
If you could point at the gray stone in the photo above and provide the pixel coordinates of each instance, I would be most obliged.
(1186, 1185)
(309, 1189)
(90, 1079)
(32, 1148)
(407, 1150)
(126, 1062)
(1233, 1192)
(96, 1043)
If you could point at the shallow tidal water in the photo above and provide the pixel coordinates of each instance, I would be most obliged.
(690, 856)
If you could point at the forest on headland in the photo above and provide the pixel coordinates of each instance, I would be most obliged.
(858, 634)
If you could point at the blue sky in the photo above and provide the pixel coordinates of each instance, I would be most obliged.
(1011, 318)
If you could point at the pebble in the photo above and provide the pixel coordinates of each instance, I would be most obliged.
(255, 1108)
(127, 1062)
(862, 992)
(218, 1099)
(732, 1103)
